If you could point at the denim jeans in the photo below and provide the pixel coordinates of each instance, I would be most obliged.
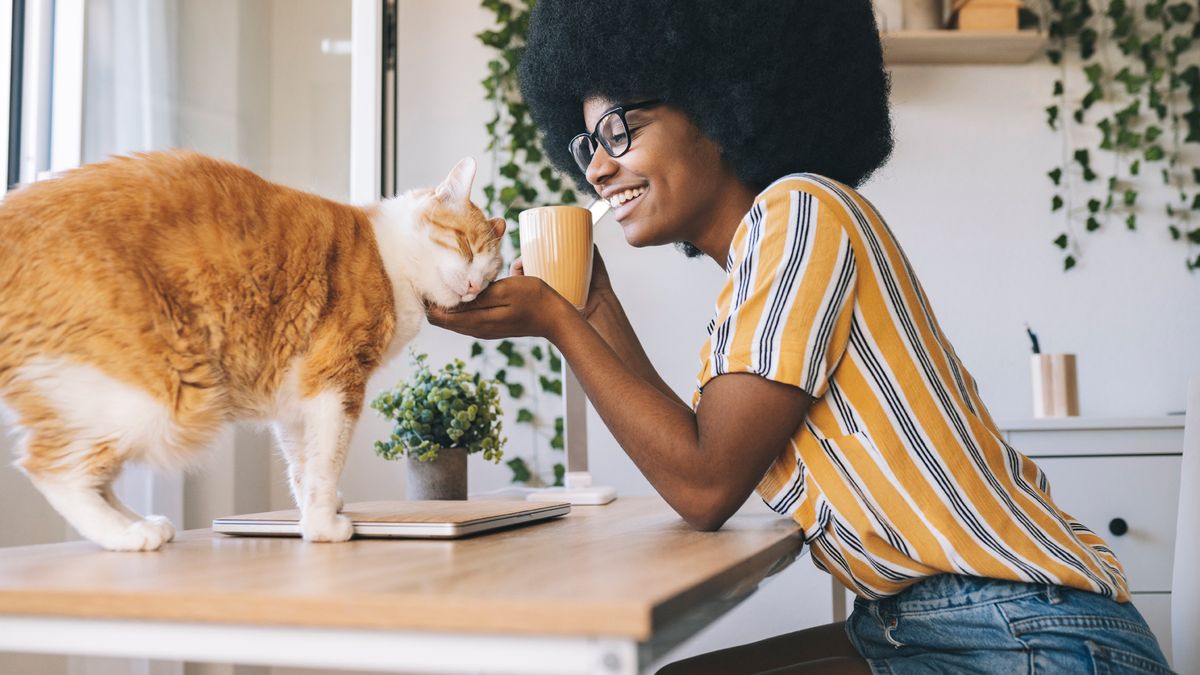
(959, 624)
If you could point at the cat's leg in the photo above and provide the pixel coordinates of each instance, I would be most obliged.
(289, 433)
(327, 430)
(164, 525)
(78, 494)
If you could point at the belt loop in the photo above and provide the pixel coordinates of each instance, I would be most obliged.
(1053, 594)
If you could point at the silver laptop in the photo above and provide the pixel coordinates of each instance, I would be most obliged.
(405, 519)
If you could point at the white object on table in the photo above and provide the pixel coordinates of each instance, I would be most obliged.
(1185, 587)
(577, 488)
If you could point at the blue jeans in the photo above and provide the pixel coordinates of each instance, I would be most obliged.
(958, 624)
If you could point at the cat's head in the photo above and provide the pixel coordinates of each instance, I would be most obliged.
(455, 247)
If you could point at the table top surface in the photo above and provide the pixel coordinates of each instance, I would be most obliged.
(624, 569)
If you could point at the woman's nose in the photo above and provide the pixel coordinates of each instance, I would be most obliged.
(601, 167)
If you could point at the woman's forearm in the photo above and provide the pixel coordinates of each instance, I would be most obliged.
(656, 429)
(610, 321)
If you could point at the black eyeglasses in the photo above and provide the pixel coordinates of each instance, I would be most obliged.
(612, 132)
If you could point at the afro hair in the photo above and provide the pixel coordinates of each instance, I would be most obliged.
(781, 86)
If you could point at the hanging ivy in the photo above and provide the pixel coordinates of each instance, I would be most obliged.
(1141, 94)
(522, 178)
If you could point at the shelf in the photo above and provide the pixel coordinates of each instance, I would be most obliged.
(1077, 423)
(961, 47)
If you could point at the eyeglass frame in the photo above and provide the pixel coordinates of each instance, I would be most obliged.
(594, 139)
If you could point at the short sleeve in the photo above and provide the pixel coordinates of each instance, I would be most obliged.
(785, 310)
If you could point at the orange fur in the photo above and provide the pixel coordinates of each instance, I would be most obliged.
(199, 284)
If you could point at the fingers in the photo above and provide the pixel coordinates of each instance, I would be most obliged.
(517, 269)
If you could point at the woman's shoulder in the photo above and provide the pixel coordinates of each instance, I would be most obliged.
(842, 199)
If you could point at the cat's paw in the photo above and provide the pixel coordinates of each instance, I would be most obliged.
(326, 526)
(341, 503)
(165, 528)
(140, 535)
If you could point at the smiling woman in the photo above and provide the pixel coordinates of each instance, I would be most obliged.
(826, 384)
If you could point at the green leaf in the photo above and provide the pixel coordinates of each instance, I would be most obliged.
(476, 349)
(515, 389)
(1175, 233)
(1068, 263)
(555, 363)
(1061, 241)
(1055, 175)
(1056, 203)
(1154, 153)
(524, 415)
(1092, 224)
(1093, 205)
(1135, 167)
(1052, 116)
(1194, 236)
(549, 385)
(516, 360)
(560, 472)
(520, 470)
(1129, 197)
(1131, 221)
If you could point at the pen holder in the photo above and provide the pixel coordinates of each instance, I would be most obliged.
(1055, 393)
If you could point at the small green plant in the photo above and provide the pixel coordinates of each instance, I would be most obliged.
(443, 409)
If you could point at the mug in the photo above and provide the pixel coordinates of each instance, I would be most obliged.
(556, 247)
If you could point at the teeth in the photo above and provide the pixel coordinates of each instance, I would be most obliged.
(619, 199)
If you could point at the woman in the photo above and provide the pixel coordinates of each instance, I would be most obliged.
(739, 131)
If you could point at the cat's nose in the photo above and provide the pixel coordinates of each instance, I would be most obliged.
(473, 287)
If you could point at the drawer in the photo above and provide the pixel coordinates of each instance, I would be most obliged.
(1142, 491)
(1096, 441)
(1156, 609)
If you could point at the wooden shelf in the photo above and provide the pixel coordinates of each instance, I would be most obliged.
(959, 47)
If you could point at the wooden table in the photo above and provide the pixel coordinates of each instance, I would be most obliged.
(605, 589)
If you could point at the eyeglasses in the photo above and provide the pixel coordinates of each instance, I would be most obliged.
(612, 132)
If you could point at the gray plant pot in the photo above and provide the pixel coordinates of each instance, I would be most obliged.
(443, 478)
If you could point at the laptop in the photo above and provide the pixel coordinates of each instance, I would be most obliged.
(404, 519)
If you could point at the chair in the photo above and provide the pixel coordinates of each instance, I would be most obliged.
(1185, 585)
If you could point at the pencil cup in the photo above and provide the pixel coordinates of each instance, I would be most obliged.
(1055, 393)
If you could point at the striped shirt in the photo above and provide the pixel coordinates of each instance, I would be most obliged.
(898, 472)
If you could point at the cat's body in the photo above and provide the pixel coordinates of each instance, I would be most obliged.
(147, 302)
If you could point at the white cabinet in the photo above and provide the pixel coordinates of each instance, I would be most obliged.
(1119, 477)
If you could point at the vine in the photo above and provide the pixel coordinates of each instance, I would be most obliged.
(521, 178)
(1146, 94)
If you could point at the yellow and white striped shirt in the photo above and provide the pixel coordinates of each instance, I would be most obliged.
(898, 472)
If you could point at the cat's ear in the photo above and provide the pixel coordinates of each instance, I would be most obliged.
(457, 186)
(498, 226)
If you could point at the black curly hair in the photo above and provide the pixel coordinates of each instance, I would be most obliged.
(781, 86)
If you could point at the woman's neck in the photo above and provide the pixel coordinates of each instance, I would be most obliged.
(730, 206)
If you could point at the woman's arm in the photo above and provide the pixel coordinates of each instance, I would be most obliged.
(607, 317)
(703, 463)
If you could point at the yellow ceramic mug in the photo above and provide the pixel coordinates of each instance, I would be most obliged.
(556, 247)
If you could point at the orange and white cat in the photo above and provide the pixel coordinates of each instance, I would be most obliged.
(148, 301)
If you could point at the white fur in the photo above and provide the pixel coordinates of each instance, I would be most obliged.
(98, 408)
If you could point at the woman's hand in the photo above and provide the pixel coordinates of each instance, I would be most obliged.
(600, 287)
(516, 306)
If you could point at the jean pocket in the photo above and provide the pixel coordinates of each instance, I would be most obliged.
(1111, 661)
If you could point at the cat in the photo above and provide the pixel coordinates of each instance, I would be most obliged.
(148, 301)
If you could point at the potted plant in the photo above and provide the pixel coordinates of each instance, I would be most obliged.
(441, 417)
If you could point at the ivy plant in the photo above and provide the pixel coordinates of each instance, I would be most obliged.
(1139, 105)
(522, 178)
